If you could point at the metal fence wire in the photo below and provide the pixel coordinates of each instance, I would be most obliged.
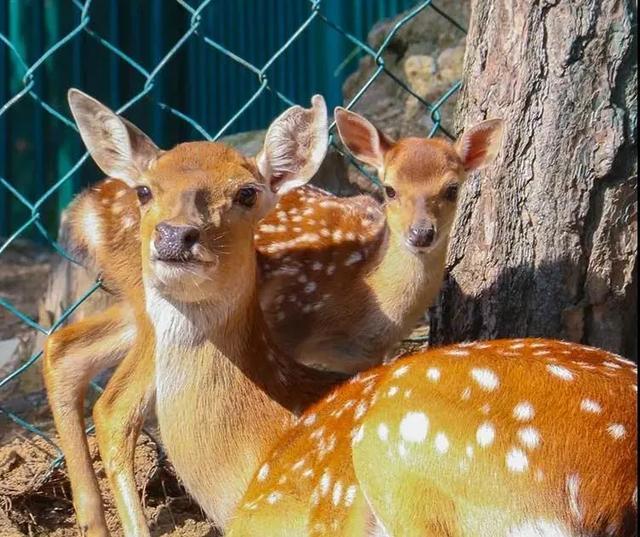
(23, 82)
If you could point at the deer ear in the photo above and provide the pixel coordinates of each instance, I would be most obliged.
(295, 146)
(120, 149)
(362, 138)
(479, 145)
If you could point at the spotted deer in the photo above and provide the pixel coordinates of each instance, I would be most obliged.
(348, 279)
(329, 282)
(505, 438)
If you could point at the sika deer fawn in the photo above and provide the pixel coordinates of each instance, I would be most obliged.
(506, 438)
(348, 281)
(332, 283)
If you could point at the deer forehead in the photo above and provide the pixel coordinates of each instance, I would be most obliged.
(205, 165)
(421, 163)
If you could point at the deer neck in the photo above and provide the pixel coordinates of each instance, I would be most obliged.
(404, 282)
(224, 392)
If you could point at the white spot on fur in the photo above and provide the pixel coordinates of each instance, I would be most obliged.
(458, 352)
(358, 434)
(560, 372)
(589, 405)
(325, 483)
(441, 443)
(617, 431)
(360, 410)
(485, 434)
(337, 493)
(274, 497)
(523, 411)
(573, 486)
(529, 437)
(400, 371)
(263, 472)
(433, 374)
(517, 460)
(350, 495)
(392, 391)
(485, 378)
(310, 419)
(414, 427)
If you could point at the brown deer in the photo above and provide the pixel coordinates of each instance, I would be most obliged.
(111, 228)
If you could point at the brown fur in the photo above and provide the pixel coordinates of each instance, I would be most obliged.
(349, 459)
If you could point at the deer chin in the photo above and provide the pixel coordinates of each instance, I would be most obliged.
(182, 277)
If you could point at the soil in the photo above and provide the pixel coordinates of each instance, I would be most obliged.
(35, 498)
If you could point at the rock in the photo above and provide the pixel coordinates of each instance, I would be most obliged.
(427, 55)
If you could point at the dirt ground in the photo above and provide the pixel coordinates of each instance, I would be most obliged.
(35, 499)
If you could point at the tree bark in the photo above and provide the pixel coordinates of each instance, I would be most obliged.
(545, 242)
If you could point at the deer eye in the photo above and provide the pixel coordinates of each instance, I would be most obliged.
(451, 192)
(390, 192)
(246, 196)
(144, 194)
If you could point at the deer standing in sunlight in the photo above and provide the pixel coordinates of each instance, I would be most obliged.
(326, 262)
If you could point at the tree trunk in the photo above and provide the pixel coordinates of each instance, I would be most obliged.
(546, 239)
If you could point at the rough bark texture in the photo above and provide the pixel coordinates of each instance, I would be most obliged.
(546, 239)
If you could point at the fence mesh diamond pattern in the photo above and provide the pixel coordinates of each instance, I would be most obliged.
(228, 73)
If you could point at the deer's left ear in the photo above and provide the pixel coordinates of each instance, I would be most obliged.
(295, 146)
(479, 145)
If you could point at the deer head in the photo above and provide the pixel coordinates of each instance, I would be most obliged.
(200, 201)
(421, 177)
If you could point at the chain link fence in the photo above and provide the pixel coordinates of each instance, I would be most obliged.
(268, 87)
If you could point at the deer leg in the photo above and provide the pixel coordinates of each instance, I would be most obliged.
(118, 416)
(72, 357)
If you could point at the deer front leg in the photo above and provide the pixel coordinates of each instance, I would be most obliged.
(72, 357)
(118, 416)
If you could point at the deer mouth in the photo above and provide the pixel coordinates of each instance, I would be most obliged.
(421, 250)
(170, 269)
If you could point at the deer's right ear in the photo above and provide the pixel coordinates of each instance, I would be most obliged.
(120, 149)
(362, 138)
(295, 146)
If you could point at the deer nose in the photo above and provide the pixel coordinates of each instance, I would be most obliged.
(174, 243)
(422, 235)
